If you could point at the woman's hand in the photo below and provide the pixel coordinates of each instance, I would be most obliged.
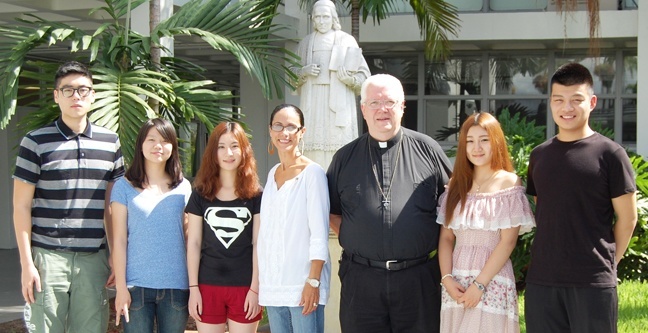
(454, 288)
(122, 303)
(195, 303)
(471, 297)
(251, 306)
(309, 299)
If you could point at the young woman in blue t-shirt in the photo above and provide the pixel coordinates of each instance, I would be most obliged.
(149, 226)
(223, 226)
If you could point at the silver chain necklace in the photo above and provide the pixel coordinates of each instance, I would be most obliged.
(385, 195)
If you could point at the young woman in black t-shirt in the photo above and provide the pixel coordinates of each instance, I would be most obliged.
(223, 226)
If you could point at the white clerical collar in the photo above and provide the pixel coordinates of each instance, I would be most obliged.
(382, 144)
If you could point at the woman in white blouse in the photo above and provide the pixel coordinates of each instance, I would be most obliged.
(294, 262)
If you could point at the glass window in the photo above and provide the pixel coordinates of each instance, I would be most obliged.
(630, 75)
(467, 5)
(405, 68)
(503, 5)
(454, 77)
(410, 116)
(602, 117)
(521, 75)
(444, 117)
(629, 134)
(631, 3)
(532, 109)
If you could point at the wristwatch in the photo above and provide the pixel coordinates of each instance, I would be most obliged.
(313, 282)
(480, 286)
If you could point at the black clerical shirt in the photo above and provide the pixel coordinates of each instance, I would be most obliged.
(398, 223)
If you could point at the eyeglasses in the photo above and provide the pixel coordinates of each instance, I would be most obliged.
(289, 128)
(69, 92)
(377, 104)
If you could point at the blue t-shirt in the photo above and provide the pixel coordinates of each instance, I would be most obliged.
(156, 256)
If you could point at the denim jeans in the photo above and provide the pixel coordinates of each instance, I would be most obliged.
(289, 319)
(166, 308)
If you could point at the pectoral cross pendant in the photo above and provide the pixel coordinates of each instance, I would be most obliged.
(385, 203)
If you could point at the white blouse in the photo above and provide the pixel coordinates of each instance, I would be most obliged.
(293, 231)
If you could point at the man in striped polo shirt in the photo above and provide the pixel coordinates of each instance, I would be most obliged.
(62, 181)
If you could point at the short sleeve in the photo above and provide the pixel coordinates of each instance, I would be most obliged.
(119, 192)
(28, 161)
(622, 178)
(194, 206)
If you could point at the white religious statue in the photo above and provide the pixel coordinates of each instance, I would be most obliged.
(332, 72)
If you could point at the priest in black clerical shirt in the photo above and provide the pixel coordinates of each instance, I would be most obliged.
(383, 189)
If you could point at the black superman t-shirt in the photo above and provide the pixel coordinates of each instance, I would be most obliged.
(226, 251)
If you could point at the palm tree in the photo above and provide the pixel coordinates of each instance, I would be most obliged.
(126, 76)
(437, 20)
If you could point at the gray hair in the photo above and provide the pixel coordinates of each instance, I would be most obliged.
(383, 80)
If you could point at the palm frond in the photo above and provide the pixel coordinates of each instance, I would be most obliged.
(438, 20)
(239, 28)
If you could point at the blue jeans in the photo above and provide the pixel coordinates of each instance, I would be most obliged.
(166, 308)
(289, 319)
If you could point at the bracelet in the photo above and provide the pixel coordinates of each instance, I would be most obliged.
(193, 285)
(443, 278)
(252, 290)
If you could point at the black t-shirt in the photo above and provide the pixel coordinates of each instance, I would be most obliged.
(406, 227)
(574, 183)
(226, 252)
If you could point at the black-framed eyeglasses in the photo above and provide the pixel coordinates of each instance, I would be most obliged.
(377, 104)
(69, 92)
(288, 128)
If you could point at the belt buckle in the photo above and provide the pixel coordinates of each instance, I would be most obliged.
(389, 262)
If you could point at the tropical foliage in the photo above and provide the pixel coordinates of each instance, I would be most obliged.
(126, 78)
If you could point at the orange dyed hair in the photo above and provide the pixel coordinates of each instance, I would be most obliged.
(462, 174)
(208, 182)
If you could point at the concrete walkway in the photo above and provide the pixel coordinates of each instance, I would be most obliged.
(11, 301)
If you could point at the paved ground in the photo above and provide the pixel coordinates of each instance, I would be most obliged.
(11, 301)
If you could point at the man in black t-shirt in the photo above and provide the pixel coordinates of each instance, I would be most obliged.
(383, 190)
(580, 180)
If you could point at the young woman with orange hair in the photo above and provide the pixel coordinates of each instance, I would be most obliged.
(482, 213)
(221, 242)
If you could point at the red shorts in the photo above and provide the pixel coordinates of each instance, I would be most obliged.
(223, 302)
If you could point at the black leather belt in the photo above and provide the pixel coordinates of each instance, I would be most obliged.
(390, 265)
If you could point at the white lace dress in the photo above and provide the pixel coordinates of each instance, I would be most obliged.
(477, 231)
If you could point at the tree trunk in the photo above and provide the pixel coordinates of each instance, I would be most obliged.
(355, 20)
(154, 20)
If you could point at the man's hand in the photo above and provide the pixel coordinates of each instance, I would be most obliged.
(30, 280)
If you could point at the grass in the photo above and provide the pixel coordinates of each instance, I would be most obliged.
(633, 308)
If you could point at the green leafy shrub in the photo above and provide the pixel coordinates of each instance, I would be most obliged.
(522, 136)
(634, 265)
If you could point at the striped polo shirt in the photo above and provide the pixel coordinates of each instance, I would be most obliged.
(70, 172)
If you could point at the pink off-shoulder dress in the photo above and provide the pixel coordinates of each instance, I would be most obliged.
(477, 231)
